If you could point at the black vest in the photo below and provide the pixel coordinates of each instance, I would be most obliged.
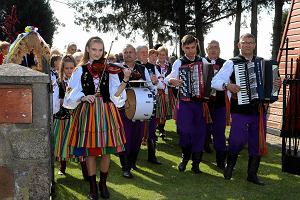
(62, 90)
(220, 95)
(168, 71)
(138, 68)
(234, 107)
(88, 86)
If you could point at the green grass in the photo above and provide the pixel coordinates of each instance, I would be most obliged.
(166, 182)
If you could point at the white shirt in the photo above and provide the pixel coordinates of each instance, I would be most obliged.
(175, 70)
(74, 91)
(223, 76)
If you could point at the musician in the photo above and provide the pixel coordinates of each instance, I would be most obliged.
(191, 124)
(217, 109)
(96, 128)
(246, 118)
(150, 126)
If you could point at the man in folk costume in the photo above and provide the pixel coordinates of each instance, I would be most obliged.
(248, 120)
(191, 123)
(133, 129)
(217, 108)
(150, 126)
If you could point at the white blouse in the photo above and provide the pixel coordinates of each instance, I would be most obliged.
(74, 91)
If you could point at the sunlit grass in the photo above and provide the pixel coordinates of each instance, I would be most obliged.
(166, 182)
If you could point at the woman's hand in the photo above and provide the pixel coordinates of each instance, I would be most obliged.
(88, 98)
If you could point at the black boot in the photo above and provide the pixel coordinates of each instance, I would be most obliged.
(93, 188)
(151, 152)
(84, 171)
(132, 160)
(186, 154)
(161, 128)
(253, 164)
(207, 147)
(125, 166)
(196, 158)
(62, 168)
(231, 161)
(220, 159)
(104, 193)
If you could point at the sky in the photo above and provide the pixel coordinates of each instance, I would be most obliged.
(222, 31)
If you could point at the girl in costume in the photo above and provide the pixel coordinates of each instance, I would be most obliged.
(165, 97)
(62, 119)
(97, 128)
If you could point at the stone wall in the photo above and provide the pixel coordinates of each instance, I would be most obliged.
(24, 144)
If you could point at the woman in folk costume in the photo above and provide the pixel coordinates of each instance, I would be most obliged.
(62, 118)
(165, 97)
(97, 128)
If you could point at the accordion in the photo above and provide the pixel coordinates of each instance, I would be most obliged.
(256, 81)
(196, 78)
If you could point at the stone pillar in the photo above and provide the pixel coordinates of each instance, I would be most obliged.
(24, 133)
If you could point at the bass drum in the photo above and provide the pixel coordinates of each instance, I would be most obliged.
(140, 104)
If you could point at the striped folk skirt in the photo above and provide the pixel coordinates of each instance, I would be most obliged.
(61, 138)
(96, 129)
(165, 105)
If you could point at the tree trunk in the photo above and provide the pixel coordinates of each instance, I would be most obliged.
(237, 30)
(254, 21)
(277, 28)
(149, 29)
(182, 21)
(199, 26)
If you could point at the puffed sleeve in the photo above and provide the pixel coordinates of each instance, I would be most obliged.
(160, 84)
(55, 96)
(223, 76)
(114, 84)
(174, 73)
(74, 90)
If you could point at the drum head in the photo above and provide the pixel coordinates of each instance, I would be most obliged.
(130, 104)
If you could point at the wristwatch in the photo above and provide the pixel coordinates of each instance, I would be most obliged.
(225, 86)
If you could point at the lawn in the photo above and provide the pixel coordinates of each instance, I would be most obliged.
(166, 182)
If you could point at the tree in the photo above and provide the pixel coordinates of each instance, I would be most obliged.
(37, 13)
(254, 7)
(237, 31)
(277, 28)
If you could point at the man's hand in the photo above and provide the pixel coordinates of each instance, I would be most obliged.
(175, 82)
(233, 88)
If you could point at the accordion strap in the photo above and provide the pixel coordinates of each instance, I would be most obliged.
(262, 139)
(206, 113)
(227, 106)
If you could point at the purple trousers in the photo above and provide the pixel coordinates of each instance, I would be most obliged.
(218, 115)
(152, 129)
(191, 125)
(133, 133)
(244, 129)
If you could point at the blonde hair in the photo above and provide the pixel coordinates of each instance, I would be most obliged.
(65, 59)
(86, 55)
(162, 48)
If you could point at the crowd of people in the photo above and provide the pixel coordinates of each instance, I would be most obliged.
(90, 102)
